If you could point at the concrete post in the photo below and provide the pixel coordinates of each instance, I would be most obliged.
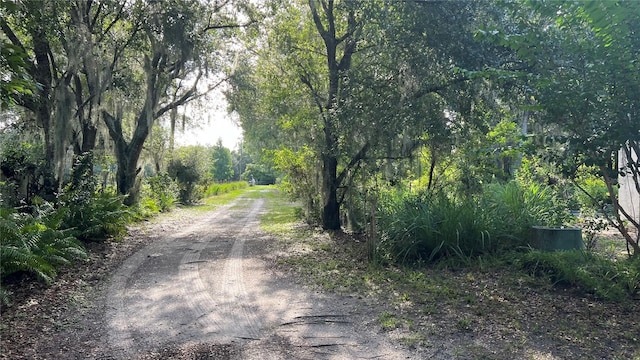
(628, 195)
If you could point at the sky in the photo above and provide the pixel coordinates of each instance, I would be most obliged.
(214, 123)
(217, 124)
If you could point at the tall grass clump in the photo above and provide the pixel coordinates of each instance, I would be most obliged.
(423, 226)
(511, 210)
(223, 188)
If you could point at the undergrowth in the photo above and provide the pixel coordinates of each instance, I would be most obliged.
(35, 244)
(423, 226)
(615, 280)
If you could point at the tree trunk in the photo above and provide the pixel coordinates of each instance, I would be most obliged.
(44, 108)
(331, 207)
(127, 154)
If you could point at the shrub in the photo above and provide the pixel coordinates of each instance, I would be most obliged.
(95, 217)
(163, 190)
(425, 227)
(189, 168)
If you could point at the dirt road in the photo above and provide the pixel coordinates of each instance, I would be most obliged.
(203, 287)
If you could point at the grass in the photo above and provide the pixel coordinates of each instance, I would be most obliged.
(281, 213)
(388, 320)
(215, 201)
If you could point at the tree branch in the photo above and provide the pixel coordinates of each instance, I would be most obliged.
(317, 20)
(189, 95)
(354, 160)
(437, 88)
(11, 35)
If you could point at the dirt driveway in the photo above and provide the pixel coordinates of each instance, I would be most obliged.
(202, 288)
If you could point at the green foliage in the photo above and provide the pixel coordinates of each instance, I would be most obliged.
(426, 226)
(524, 205)
(162, 190)
(189, 168)
(605, 278)
(91, 215)
(35, 243)
(299, 181)
(15, 80)
(222, 168)
(218, 189)
(95, 216)
(21, 163)
(261, 173)
(591, 227)
(591, 192)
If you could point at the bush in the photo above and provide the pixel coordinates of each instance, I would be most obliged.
(95, 217)
(425, 227)
(163, 190)
(91, 215)
(190, 169)
(595, 274)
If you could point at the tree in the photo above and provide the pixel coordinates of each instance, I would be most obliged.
(189, 167)
(177, 45)
(71, 48)
(34, 27)
(360, 84)
(222, 163)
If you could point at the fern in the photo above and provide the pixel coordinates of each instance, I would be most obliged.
(29, 245)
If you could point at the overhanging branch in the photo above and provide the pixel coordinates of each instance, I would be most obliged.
(437, 88)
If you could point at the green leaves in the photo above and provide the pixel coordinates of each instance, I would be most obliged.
(30, 245)
(14, 79)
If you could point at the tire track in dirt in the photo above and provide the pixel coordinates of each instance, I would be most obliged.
(227, 315)
(205, 281)
(247, 325)
(187, 287)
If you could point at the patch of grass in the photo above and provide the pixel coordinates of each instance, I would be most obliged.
(388, 321)
(464, 323)
(605, 278)
(213, 202)
(414, 340)
(223, 188)
(280, 215)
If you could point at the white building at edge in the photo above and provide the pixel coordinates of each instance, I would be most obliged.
(628, 195)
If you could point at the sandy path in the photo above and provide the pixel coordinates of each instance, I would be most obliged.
(207, 283)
